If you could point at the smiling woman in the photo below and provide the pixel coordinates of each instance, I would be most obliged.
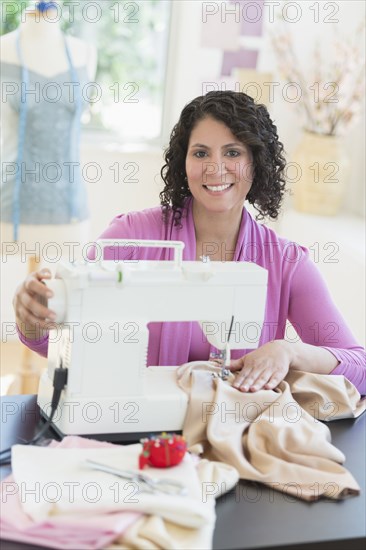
(224, 151)
(225, 137)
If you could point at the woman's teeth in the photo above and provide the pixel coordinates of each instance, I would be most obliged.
(218, 187)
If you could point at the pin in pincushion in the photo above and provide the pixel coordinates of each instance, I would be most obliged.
(162, 451)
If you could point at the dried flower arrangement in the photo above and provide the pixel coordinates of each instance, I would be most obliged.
(332, 92)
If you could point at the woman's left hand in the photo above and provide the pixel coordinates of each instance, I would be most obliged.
(263, 368)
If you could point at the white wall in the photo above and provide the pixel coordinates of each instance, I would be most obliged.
(130, 180)
(337, 246)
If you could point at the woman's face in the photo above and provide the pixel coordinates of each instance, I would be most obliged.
(219, 167)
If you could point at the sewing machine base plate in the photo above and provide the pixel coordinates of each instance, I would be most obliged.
(125, 438)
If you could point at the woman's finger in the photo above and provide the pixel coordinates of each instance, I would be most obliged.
(36, 308)
(30, 323)
(274, 380)
(236, 364)
(34, 285)
(244, 379)
(261, 380)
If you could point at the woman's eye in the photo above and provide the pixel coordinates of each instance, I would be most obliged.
(200, 154)
(233, 153)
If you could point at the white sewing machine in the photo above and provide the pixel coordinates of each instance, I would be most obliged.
(101, 336)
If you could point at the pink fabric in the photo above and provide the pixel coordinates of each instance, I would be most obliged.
(63, 532)
(296, 291)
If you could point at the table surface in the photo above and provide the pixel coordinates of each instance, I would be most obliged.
(252, 515)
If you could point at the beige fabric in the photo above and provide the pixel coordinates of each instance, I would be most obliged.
(326, 397)
(273, 436)
(152, 533)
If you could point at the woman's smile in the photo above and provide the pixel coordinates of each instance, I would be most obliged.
(218, 189)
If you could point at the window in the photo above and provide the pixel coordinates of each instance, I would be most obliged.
(131, 38)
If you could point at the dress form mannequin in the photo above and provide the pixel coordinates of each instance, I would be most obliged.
(31, 212)
(43, 50)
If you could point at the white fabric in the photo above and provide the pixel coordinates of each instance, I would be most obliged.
(57, 481)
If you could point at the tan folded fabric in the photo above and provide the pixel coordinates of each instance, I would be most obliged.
(153, 533)
(273, 436)
(326, 397)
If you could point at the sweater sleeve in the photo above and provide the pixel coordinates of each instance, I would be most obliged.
(39, 346)
(317, 320)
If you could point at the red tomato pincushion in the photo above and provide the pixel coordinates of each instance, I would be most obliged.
(162, 451)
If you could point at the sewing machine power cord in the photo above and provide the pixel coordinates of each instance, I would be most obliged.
(59, 382)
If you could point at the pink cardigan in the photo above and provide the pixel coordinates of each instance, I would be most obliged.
(296, 291)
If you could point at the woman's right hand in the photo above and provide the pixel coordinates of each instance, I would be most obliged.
(30, 305)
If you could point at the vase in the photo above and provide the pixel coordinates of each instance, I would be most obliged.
(320, 168)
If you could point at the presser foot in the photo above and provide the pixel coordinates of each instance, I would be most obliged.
(224, 374)
(219, 359)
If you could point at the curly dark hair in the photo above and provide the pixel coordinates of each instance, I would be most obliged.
(251, 124)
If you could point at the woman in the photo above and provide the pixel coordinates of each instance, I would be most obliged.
(223, 151)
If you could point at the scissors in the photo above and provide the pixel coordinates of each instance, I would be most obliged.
(146, 484)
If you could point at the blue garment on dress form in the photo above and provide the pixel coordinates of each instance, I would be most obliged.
(44, 6)
(47, 187)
